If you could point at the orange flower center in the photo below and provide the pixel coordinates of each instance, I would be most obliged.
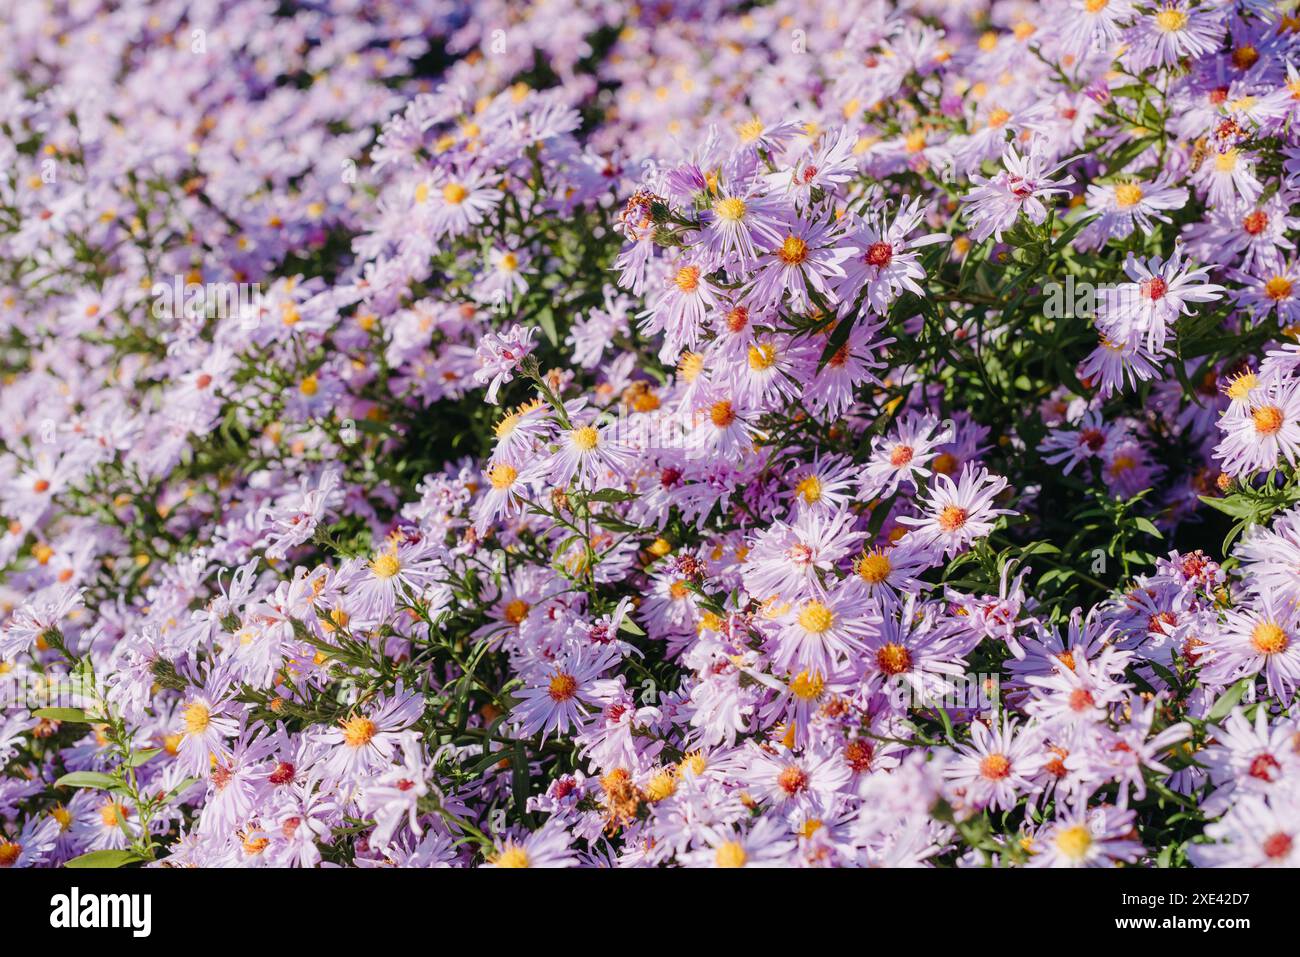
(563, 687)
(894, 659)
(1268, 638)
(793, 251)
(358, 731)
(952, 517)
(995, 767)
(793, 780)
(1268, 419)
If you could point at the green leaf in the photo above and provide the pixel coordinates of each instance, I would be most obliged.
(1228, 700)
(519, 780)
(75, 715)
(611, 495)
(837, 338)
(140, 757)
(104, 859)
(88, 779)
(617, 524)
(1146, 525)
(546, 319)
(1235, 505)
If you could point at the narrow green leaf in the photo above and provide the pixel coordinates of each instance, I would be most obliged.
(1146, 525)
(104, 859)
(140, 757)
(1228, 700)
(73, 715)
(88, 779)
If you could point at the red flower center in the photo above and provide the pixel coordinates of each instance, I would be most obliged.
(879, 254)
(1255, 223)
(1154, 288)
(1279, 845)
(1264, 766)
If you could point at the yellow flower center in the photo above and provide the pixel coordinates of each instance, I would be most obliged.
(1268, 638)
(731, 854)
(730, 209)
(694, 763)
(688, 278)
(9, 853)
(691, 365)
(111, 814)
(1170, 20)
(309, 386)
(874, 567)
(502, 476)
(1242, 386)
(1096, 6)
(516, 611)
(1073, 842)
(661, 785)
(585, 439)
(748, 132)
(809, 489)
(1277, 288)
(196, 718)
(722, 414)
(385, 565)
(816, 617)
(512, 856)
(256, 845)
(1226, 162)
(454, 193)
(762, 356)
(807, 687)
(507, 425)
(1121, 464)
(1127, 194)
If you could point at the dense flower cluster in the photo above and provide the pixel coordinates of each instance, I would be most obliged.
(699, 433)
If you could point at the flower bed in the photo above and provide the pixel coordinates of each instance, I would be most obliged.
(685, 434)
